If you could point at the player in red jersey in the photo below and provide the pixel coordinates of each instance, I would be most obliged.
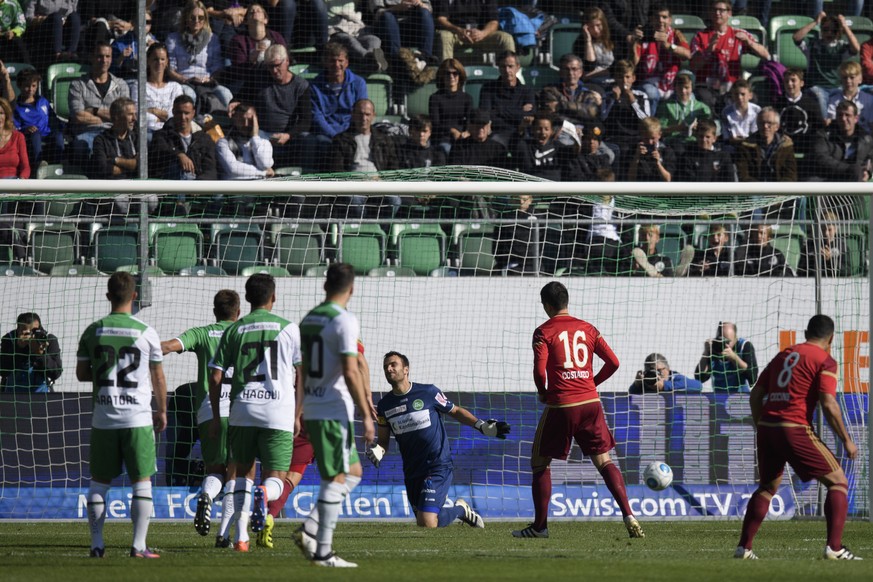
(302, 457)
(783, 401)
(563, 352)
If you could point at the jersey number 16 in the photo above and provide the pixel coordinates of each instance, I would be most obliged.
(577, 356)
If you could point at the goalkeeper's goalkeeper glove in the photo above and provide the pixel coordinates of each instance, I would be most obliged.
(375, 454)
(492, 428)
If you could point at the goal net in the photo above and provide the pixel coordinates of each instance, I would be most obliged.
(453, 281)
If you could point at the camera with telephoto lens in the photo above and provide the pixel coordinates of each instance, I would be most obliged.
(718, 345)
(40, 336)
(650, 378)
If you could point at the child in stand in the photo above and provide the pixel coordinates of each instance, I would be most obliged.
(679, 113)
(740, 118)
(34, 117)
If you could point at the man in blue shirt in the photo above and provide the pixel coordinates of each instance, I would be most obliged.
(412, 413)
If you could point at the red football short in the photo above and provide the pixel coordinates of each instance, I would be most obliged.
(303, 454)
(796, 445)
(559, 426)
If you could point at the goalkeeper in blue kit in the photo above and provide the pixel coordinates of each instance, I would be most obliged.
(412, 412)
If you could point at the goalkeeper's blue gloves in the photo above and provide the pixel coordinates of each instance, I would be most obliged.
(492, 428)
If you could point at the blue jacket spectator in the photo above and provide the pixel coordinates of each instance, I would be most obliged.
(332, 102)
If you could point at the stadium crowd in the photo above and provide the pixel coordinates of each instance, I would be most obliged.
(247, 91)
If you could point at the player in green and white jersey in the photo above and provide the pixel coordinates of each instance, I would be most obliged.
(333, 382)
(264, 351)
(203, 341)
(121, 357)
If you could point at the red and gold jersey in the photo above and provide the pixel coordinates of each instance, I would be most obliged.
(722, 60)
(564, 348)
(792, 382)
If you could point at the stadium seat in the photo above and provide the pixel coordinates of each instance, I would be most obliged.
(418, 100)
(861, 26)
(114, 247)
(391, 272)
(13, 69)
(422, 247)
(265, 270)
(443, 272)
(791, 241)
(236, 246)
(561, 39)
(60, 93)
(688, 24)
(476, 77)
(203, 271)
(540, 77)
(19, 271)
(320, 271)
(364, 246)
(50, 171)
(748, 61)
(379, 91)
(62, 69)
(673, 240)
(175, 246)
(288, 171)
(475, 247)
(150, 270)
(74, 271)
(856, 247)
(782, 29)
(297, 247)
(51, 244)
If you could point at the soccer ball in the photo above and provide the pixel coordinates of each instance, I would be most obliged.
(658, 476)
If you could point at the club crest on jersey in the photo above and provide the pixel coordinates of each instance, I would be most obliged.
(418, 404)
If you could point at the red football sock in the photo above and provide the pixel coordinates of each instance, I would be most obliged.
(542, 494)
(275, 506)
(756, 511)
(835, 509)
(615, 483)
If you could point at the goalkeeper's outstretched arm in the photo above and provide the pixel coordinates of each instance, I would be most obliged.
(490, 427)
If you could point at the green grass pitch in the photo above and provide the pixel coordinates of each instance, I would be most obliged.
(699, 551)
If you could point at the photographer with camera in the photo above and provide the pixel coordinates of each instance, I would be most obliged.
(729, 360)
(656, 377)
(30, 357)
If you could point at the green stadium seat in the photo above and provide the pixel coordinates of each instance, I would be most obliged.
(236, 246)
(175, 246)
(856, 247)
(19, 271)
(62, 70)
(782, 29)
(297, 247)
(540, 77)
(478, 75)
(13, 69)
(74, 271)
(392, 272)
(60, 94)
(52, 244)
(288, 171)
(150, 270)
(443, 272)
(50, 171)
(379, 91)
(364, 246)
(203, 271)
(673, 240)
(422, 247)
(561, 39)
(790, 240)
(114, 247)
(861, 26)
(475, 247)
(748, 61)
(418, 100)
(265, 270)
(319, 271)
(688, 25)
